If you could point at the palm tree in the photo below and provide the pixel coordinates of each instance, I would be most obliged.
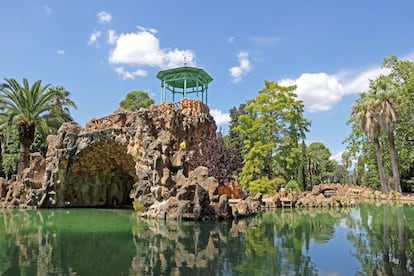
(383, 91)
(314, 166)
(363, 111)
(60, 113)
(29, 107)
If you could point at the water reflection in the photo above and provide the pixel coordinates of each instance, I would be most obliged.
(383, 239)
(114, 242)
(63, 242)
(273, 243)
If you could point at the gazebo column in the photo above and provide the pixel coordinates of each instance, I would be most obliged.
(185, 81)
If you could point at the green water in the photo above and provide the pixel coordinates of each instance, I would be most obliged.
(368, 240)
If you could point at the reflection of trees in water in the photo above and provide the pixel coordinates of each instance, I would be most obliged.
(383, 239)
(284, 235)
(271, 243)
(23, 249)
(49, 243)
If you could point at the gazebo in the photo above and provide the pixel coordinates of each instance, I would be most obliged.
(184, 80)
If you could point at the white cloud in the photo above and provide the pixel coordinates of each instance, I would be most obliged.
(61, 52)
(359, 82)
(221, 118)
(128, 75)
(244, 67)
(104, 17)
(140, 48)
(321, 91)
(143, 48)
(150, 30)
(337, 157)
(94, 37)
(112, 37)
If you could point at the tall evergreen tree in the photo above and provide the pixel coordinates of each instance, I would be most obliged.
(271, 130)
(234, 140)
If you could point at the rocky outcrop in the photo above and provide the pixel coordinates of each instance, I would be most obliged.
(330, 195)
(141, 157)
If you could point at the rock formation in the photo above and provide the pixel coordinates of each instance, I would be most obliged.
(141, 157)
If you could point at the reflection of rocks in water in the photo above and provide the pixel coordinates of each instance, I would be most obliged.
(177, 246)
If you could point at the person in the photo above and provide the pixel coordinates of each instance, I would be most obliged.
(282, 191)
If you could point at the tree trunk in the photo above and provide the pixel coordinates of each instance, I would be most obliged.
(394, 162)
(26, 136)
(24, 158)
(384, 186)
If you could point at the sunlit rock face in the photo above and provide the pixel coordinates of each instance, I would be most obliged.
(89, 167)
(141, 157)
(124, 156)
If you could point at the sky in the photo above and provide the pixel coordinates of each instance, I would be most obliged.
(100, 50)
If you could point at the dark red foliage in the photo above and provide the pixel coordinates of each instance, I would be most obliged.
(214, 155)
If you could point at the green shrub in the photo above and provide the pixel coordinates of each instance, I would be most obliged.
(293, 186)
(264, 185)
(138, 206)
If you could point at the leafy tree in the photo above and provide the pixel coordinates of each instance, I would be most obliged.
(271, 128)
(402, 96)
(10, 151)
(234, 140)
(320, 167)
(60, 112)
(347, 162)
(28, 108)
(302, 167)
(314, 167)
(339, 174)
(135, 100)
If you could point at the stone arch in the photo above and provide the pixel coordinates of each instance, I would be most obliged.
(101, 175)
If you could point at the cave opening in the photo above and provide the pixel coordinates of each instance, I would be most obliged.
(102, 176)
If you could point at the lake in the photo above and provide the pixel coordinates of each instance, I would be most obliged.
(371, 239)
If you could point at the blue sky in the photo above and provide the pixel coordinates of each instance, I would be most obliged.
(100, 50)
